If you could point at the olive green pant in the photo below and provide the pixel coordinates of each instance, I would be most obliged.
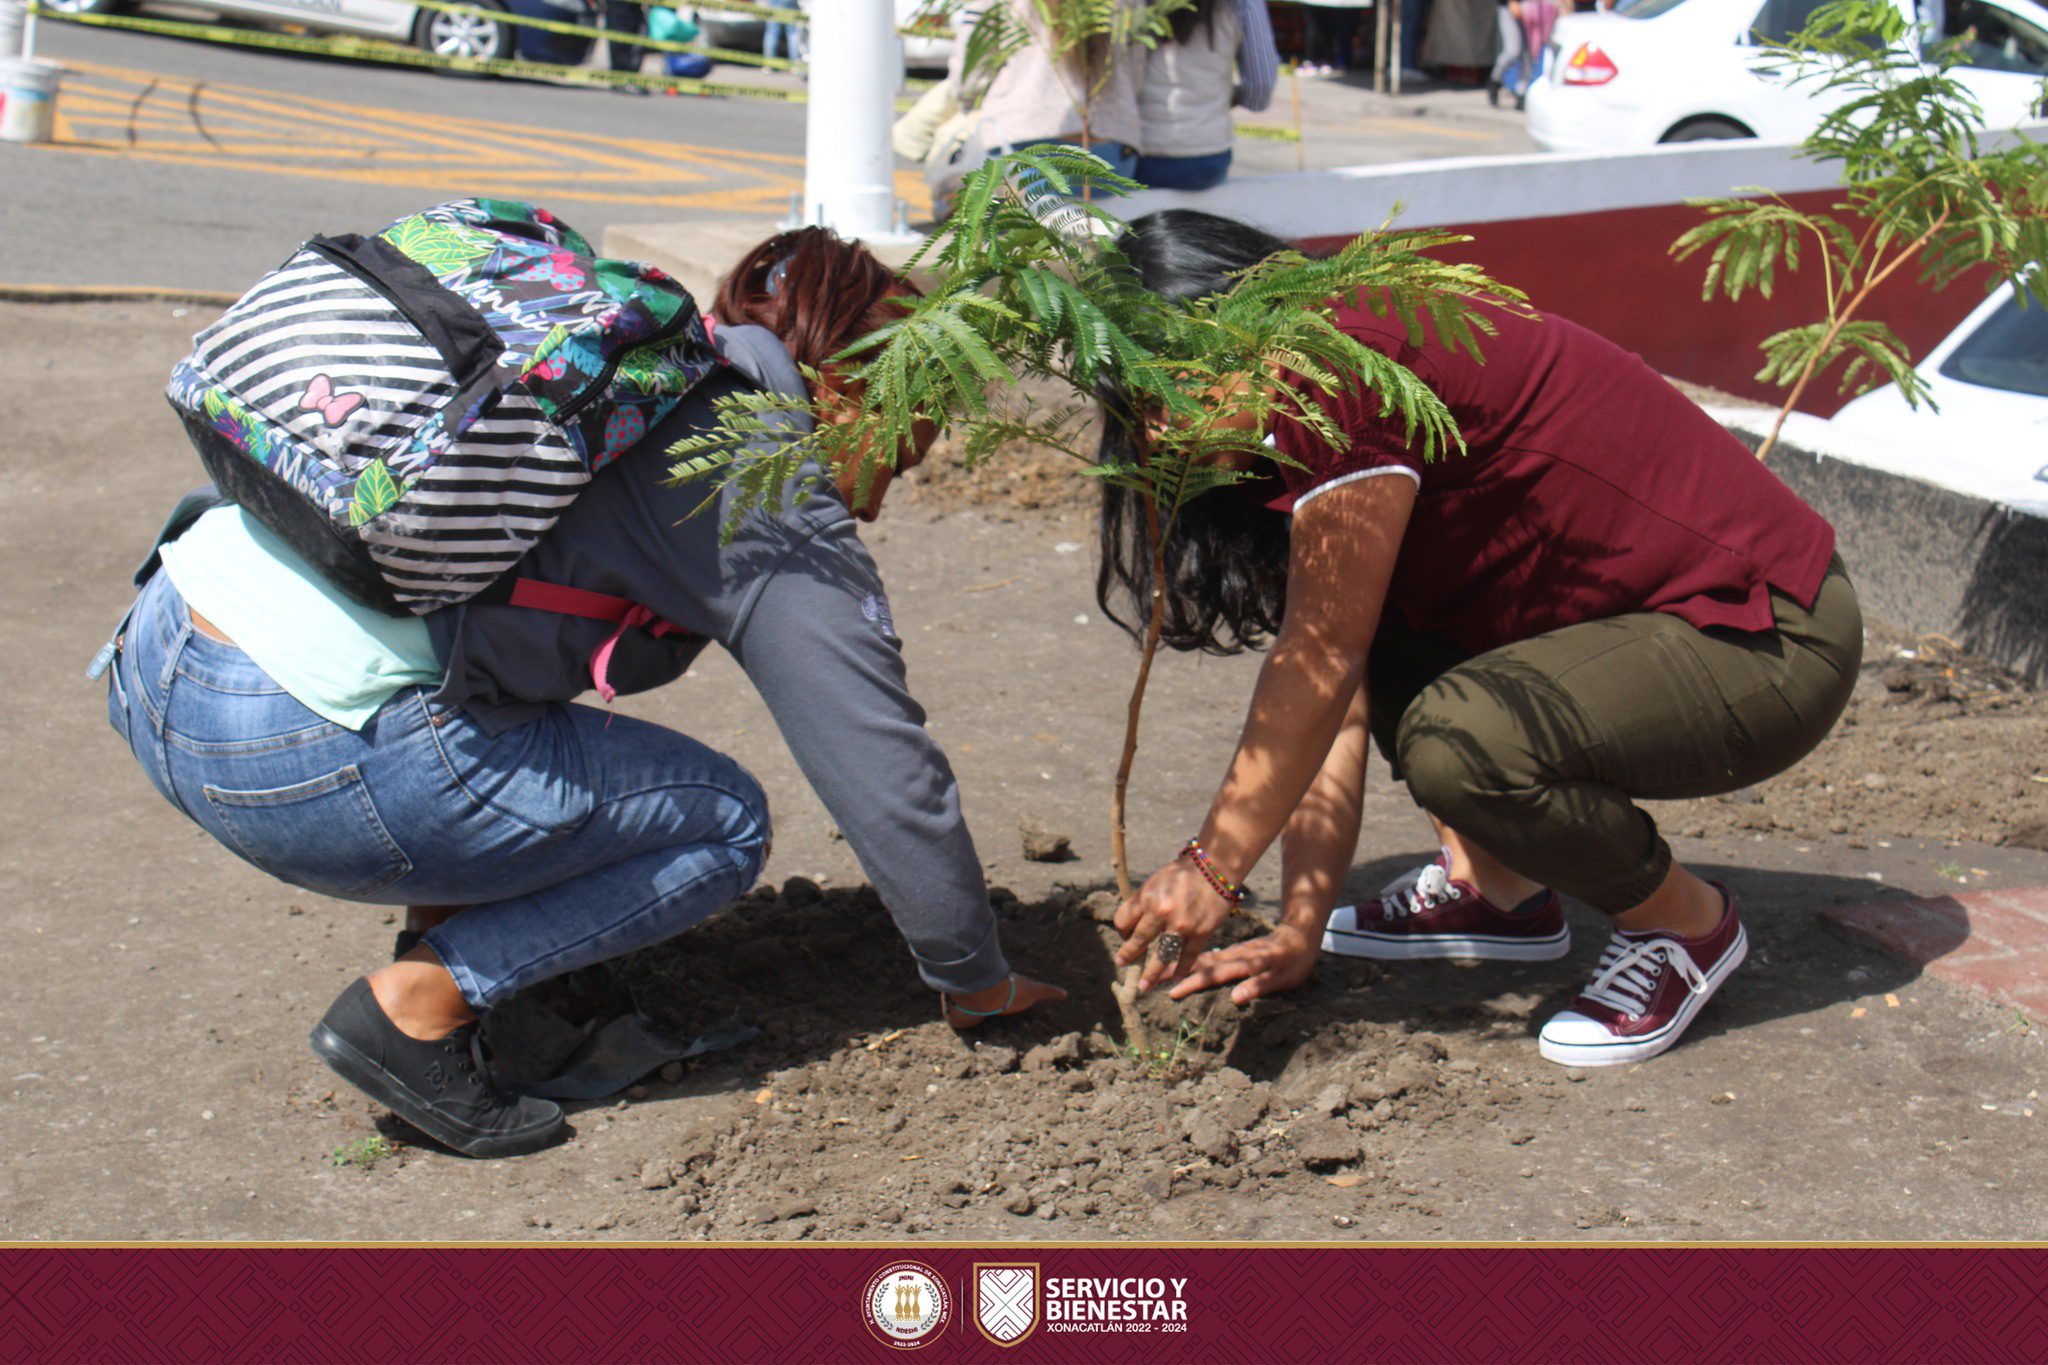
(1538, 751)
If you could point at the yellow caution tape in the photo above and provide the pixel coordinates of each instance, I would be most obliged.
(377, 50)
(1262, 132)
(795, 18)
(589, 31)
(745, 11)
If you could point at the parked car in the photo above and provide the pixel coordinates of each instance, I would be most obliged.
(1688, 70)
(1989, 382)
(928, 45)
(452, 35)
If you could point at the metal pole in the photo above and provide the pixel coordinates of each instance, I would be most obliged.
(1394, 62)
(849, 166)
(1379, 43)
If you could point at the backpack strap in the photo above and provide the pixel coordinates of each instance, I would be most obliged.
(564, 600)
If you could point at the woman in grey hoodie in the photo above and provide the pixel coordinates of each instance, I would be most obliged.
(442, 763)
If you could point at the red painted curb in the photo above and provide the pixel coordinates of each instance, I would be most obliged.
(1991, 942)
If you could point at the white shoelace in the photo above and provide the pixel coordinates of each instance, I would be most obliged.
(1630, 969)
(1414, 892)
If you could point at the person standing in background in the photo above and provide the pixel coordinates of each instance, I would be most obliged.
(1508, 65)
(1332, 32)
(1088, 98)
(1189, 88)
(1414, 23)
(785, 39)
(1538, 18)
(623, 18)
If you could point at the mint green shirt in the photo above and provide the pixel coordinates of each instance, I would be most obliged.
(338, 658)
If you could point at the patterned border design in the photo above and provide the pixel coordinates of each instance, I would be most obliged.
(801, 1303)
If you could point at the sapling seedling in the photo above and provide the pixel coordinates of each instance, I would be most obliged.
(1918, 188)
(1028, 288)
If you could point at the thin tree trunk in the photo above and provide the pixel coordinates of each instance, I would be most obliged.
(1813, 363)
(1136, 1031)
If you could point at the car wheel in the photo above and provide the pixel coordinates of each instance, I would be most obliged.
(1708, 129)
(463, 35)
(86, 6)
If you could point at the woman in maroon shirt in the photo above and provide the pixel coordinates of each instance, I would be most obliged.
(1605, 598)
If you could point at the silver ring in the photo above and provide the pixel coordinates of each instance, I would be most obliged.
(1167, 950)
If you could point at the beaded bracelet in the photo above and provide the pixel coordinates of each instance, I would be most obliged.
(1231, 892)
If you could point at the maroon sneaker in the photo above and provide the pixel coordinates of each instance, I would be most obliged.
(1425, 914)
(1645, 991)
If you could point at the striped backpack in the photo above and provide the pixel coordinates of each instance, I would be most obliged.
(411, 411)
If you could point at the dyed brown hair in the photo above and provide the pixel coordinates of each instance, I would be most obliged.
(831, 293)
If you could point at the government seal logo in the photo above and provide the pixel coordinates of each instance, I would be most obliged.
(906, 1304)
(1006, 1301)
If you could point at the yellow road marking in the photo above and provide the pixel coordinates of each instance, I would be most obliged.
(1427, 129)
(80, 100)
(191, 144)
(482, 183)
(265, 103)
(117, 111)
(121, 120)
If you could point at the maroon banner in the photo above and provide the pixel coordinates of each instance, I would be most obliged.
(1022, 1302)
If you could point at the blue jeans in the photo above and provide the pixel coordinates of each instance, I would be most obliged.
(571, 840)
(1414, 15)
(1122, 159)
(779, 40)
(1183, 172)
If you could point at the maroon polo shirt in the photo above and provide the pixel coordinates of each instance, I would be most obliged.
(1590, 488)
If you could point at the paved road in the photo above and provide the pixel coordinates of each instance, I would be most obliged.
(185, 164)
(180, 163)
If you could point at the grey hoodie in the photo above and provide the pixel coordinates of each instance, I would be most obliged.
(798, 603)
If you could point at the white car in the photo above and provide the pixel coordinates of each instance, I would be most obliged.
(927, 34)
(452, 35)
(1688, 70)
(1989, 382)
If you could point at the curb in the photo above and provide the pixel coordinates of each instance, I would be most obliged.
(113, 293)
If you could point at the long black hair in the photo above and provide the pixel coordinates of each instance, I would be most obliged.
(1201, 14)
(1226, 554)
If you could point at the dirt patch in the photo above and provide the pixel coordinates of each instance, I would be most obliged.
(1017, 477)
(844, 1123)
(1023, 478)
(1936, 744)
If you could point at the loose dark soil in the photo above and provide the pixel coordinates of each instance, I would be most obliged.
(1935, 745)
(857, 1124)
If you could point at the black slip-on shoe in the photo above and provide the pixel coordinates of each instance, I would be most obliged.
(441, 1087)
